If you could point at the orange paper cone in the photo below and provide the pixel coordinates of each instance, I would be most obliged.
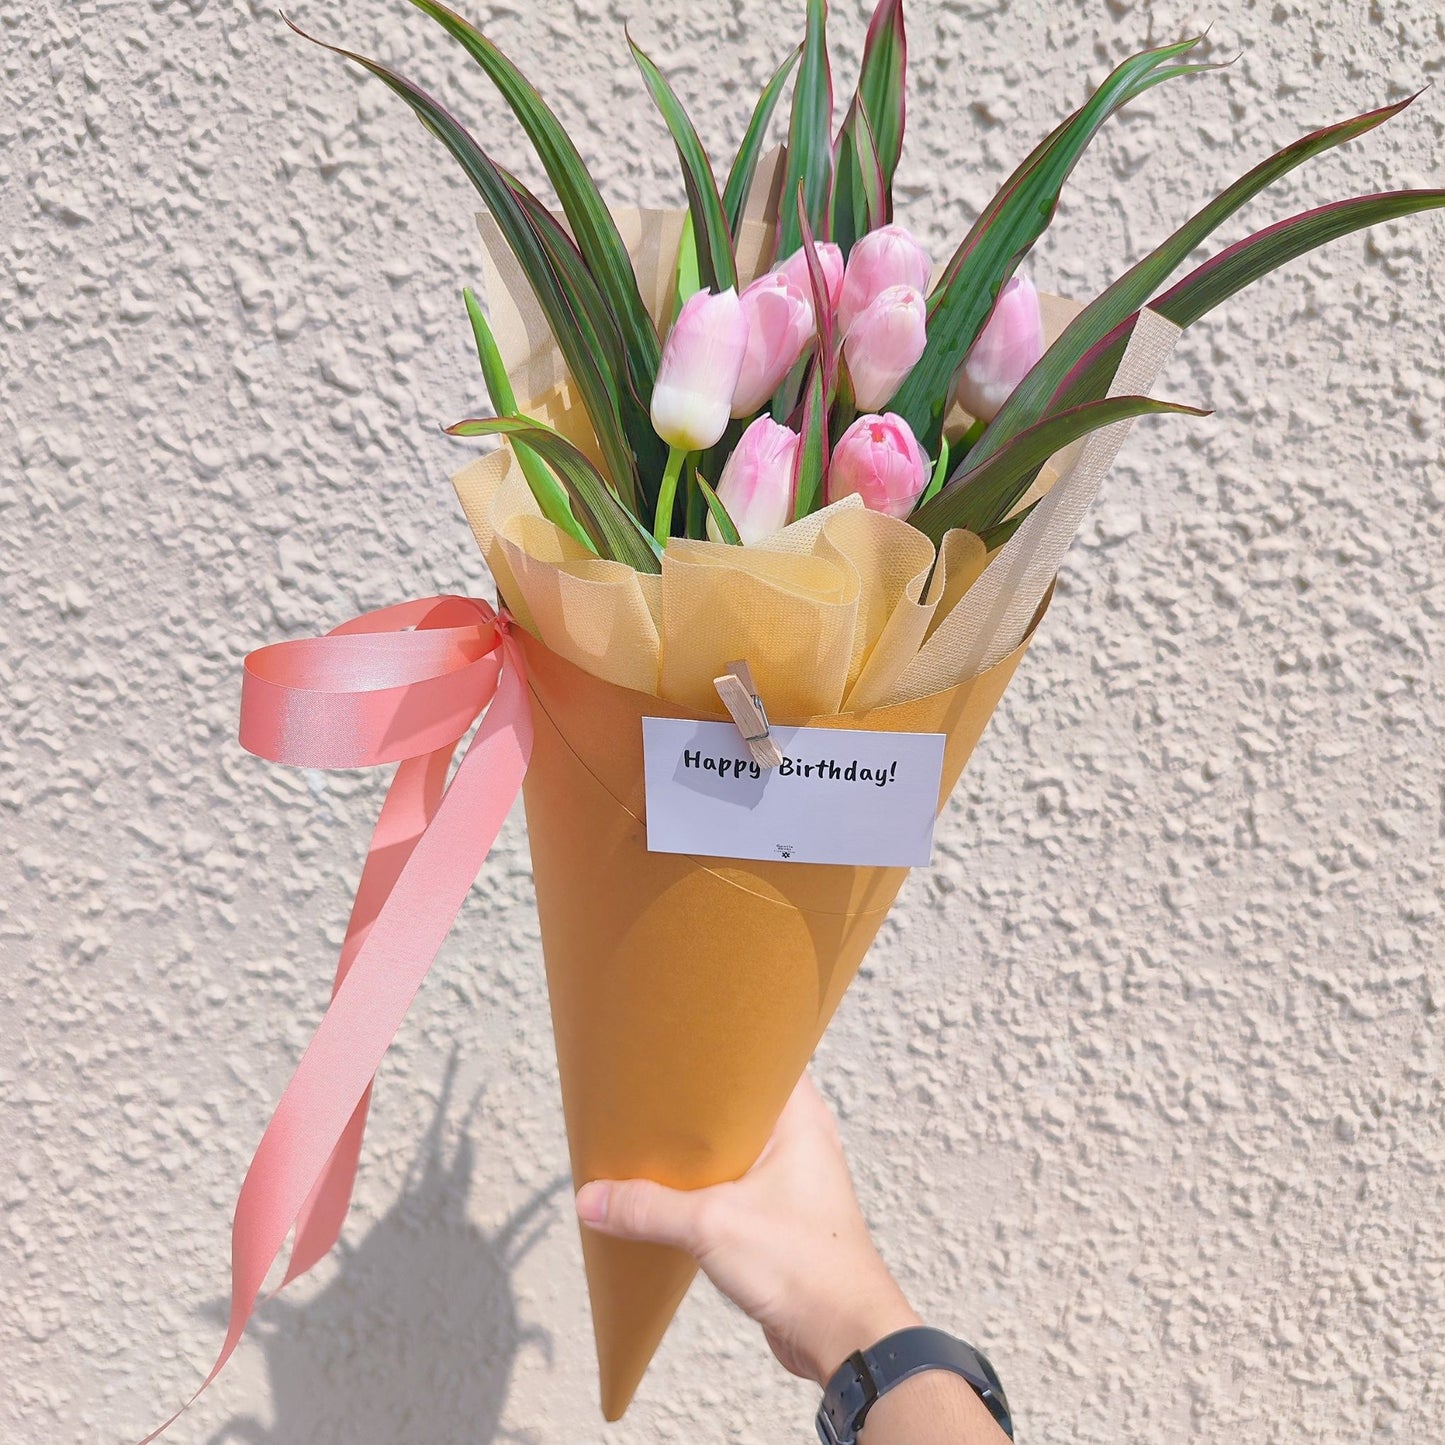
(687, 993)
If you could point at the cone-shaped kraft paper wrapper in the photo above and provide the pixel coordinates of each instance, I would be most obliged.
(687, 993)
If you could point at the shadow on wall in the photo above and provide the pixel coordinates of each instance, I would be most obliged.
(416, 1336)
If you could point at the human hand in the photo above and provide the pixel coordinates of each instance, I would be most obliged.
(786, 1242)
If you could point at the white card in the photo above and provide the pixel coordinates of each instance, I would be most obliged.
(841, 796)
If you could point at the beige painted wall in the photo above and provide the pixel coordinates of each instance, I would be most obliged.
(1142, 1081)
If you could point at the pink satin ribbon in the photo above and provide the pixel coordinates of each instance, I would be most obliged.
(399, 685)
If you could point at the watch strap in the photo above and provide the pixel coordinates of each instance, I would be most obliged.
(867, 1374)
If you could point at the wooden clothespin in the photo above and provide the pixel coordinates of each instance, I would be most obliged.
(740, 696)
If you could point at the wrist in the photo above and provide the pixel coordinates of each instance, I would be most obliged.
(874, 1309)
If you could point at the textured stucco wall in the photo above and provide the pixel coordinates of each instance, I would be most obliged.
(1143, 1080)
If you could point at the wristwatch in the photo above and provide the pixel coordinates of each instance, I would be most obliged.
(867, 1374)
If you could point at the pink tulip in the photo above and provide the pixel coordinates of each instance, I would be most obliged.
(780, 324)
(1011, 341)
(884, 342)
(879, 459)
(886, 257)
(693, 395)
(756, 485)
(830, 259)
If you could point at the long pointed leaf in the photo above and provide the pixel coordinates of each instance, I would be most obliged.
(596, 385)
(860, 199)
(811, 468)
(582, 203)
(646, 448)
(709, 223)
(810, 133)
(725, 523)
(745, 165)
(687, 282)
(1233, 269)
(494, 371)
(827, 319)
(994, 537)
(812, 464)
(1002, 235)
(612, 528)
(982, 496)
(1031, 397)
(938, 476)
(550, 494)
(881, 86)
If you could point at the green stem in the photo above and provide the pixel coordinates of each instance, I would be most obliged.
(667, 494)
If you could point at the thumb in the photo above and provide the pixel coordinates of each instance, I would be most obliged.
(642, 1210)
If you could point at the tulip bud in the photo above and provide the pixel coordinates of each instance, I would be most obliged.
(886, 257)
(756, 485)
(884, 342)
(701, 361)
(830, 260)
(780, 324)
(1011, 341)
(879, 459)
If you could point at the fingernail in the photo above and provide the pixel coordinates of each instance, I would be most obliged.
(592, 1202)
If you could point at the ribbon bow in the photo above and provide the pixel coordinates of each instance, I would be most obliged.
(400, 685)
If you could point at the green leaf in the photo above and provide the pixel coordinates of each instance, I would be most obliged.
(578, 287)
(810, 130)
(940, 474)
(1235, 268)
(614, 531)
(994, 537)
(740, 177)
(881, 90)
(1031, 397)
(1015, 218)
(494, 372)
(860, 202)
(812, 463)
(719, 512)
(586, 212)
(688, 282)
(827, 320)
(550, 494)
(709, 223)
(646, 451)
(595, 383)
(983, 495)
(711, 462)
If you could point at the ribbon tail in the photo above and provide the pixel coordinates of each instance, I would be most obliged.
(371, 1000)
(410, 805)
(318, 1226)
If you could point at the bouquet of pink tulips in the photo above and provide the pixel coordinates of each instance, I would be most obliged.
(765, 451)
(836, 371)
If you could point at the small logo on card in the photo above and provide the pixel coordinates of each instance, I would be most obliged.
(783, 850)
